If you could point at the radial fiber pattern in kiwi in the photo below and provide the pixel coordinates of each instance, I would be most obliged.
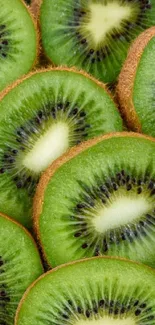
(93, 35)
(109, 210)
(20, 265)
(136, 86)
(59, 109)
(18, 44)
(100, 290)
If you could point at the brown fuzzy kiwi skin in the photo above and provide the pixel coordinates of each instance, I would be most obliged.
(24, 229)
(35, 7)
(43, 60)
(60, 68)
(148, 268)
(125, 86)
(38, 47)
(38, 200)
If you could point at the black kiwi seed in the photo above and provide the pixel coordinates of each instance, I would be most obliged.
(87, 313)
(79, 310)
(85, 245)
(138, 312)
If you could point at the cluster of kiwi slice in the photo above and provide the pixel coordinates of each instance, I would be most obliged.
(77, 162)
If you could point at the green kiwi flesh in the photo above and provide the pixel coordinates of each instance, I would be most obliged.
(18, 41)
(96, 291)
(100, 202)
(20, 265)
(93, 35)
(143, 94)
(40, 118)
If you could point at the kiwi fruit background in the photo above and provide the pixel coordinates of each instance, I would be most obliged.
(93, 35)
(97, 290)
(60, 109)
(109, 211)
(18, 45)
(136, 84)
(120, 166)
(20, 265)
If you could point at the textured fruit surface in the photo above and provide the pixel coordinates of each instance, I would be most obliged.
(40, 119)
(20, 265)
(18, 41)
(95, 291)
(135, 89)
(100, 202)
(144, 89)
(93, 35)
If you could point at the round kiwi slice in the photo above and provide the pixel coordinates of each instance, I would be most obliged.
(20, 265)
(93, 35)
(136, 85)
(40, 118)
(99, 199)
(96, 291)
(18, 41)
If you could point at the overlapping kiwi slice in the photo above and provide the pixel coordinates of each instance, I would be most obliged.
(40, 118)
(99, 199)
(136, 86)
(20, 265)
(98, 291)
(18, 41)
(94, 34)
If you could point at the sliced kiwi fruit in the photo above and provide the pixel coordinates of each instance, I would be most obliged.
(99, 199)
(20, 265)
(93, 35)
(98, 291)
(40, 118)
(18, 41)
(136, 85)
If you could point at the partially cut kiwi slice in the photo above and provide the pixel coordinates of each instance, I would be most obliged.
(136, 85)
(96, 291)
(18, 41)
(40, 118)
(99, 199)
(20, 265)
(95, 34)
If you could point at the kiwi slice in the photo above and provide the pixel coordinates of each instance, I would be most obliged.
(94, 291)
(59, 109)
(18, 41)
(99, 199)
(136, 85)
(20, 265)
(93, 35)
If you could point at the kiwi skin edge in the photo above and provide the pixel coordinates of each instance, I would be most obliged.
(71, 263)
(60, 68)
(35, 7)
(124, 89)
(24, 229)
(32, 15)
(10, 86)
(50, 171)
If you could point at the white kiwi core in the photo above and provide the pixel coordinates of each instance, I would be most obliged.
(119, 212)
(106, 321)
(52, 144)
(106, 17)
